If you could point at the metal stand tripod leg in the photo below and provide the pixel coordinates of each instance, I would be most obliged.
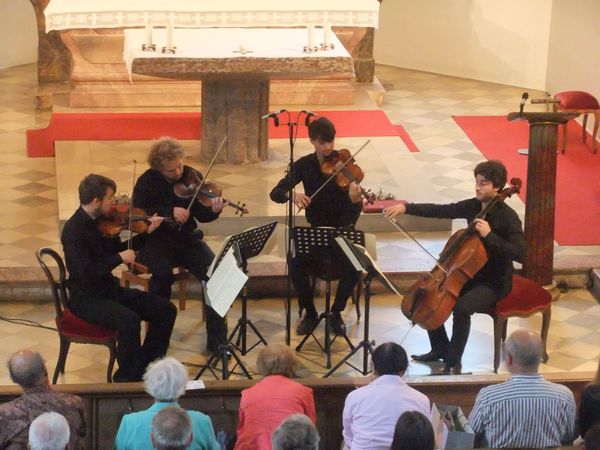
(223, 353)
(241, 329)
(366, 345)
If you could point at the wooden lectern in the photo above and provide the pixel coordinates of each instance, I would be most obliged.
(541, 192)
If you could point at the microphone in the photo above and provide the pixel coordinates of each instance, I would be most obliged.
(524, 98)
(309, 114)
(273, 114)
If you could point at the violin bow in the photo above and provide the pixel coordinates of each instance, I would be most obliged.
(337, 170)
(205, 177)
(129, 239)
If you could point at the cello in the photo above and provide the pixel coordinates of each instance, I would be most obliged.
(431, 299)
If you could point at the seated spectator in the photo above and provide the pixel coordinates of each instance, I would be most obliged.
(413, 432)
(589, 406)
(297, 432)
(165, 380)
(266, 404)
(592, 438)
(49, 431)
(28, 370)
(371, 412)
(526, 411)
(171, 429)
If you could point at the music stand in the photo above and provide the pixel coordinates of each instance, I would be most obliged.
(318, 243)
(247, 244)
(361, 260)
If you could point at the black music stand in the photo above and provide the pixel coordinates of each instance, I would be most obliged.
(361, 260)
(318, 243)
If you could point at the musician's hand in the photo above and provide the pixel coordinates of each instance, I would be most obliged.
(301, 200)
(181, 215)
(217, 204)
(395, 210)
(155, 222)
(482, 227)
(128, 256)
(354, 192)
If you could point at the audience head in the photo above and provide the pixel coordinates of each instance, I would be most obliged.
(493, 171)
(165, 379)
(95, 187)
(523, 352)
(413, 432)
(592, 438)
(596, 378)
(171, 429)
(163, 150)
(49, 431)
(389, 359)
(297, 432)
(27, 369)
(277, 360)
(321, 130)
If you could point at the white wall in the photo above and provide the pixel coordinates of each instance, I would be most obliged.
(499, 41)
(18, 33)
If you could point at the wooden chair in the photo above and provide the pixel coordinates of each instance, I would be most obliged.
(70, 327)
(525, 299)
(583, 103)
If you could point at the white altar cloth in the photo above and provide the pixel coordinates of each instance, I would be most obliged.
(226, 42)
(69, 14)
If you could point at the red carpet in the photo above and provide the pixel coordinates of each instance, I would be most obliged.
(144, 126)
(577, 220)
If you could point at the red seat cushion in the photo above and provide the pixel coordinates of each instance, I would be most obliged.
(526, 297)
(379, 205)
(72, 326)
(577, 100)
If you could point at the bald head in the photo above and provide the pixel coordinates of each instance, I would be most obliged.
(27, 368)
(523, 351)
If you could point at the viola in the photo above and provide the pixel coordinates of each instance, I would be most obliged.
(121, 219)
(342, 165)
(430, 301)
(188, 185)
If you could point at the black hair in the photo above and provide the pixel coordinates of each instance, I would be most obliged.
(492, 170)
(413, 432)
(390, 359)
(321, 129)
(592, 438)
(94, 186)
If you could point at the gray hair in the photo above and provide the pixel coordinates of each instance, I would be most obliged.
(297, 432)
(165, 379)
(26, 368)
(171, 429)
(164, 149)
(276, 360)
(49, 431)
(525, 347)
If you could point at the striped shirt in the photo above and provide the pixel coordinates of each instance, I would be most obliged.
(526, 411)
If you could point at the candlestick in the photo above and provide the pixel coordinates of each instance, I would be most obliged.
(326, 35)
(169, 44)
(311, 37)
(148, 35)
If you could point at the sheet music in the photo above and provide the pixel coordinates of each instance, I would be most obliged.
(225, 284)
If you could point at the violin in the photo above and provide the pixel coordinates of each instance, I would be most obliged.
(341, 164)
(121, 217)
(188, 185)
(430, 301)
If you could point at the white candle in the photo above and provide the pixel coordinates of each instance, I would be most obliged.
(326, 34)
(148, 35)
(169, 35)
(311, 36)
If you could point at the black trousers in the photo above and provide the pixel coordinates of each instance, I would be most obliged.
(473, 298)
(124, 315)
(163, 253)
(330, 264)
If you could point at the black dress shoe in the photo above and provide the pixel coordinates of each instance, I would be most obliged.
(307, 324)
(429, 357)
(337, 324)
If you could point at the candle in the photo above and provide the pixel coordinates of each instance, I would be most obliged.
(326, 35)
(242, 49)
(311, 37)
(169, 35)
(148, 35)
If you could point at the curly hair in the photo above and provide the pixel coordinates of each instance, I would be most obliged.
(164, 149)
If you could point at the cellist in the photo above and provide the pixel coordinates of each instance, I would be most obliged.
(502, 236)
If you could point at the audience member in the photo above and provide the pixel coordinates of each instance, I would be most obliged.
(527, 410)
(589, 405)
(297, 432)
(165, 380)
(413, 432)
(266, 404)
(592, 438)
(371, 412)
(49, 431)
(28, 370)
(171, 429)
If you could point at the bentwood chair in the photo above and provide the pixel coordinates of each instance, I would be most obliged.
(70, 327)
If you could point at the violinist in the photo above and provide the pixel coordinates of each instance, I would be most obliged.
(180, 245)
(331, 207)
(504, 241)
(95, 295)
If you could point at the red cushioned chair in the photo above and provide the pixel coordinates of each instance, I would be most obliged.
(583, 103)
(525, 299)
(70, 327)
